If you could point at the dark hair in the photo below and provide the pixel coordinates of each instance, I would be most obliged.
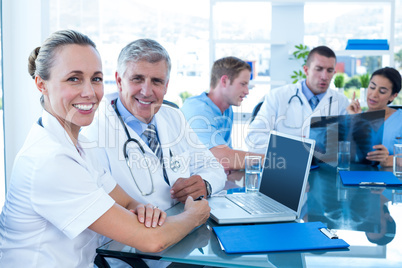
(320, 50)
(143, 50)
(41, 59)
(392, 75)
(389, 233)
(230, 66)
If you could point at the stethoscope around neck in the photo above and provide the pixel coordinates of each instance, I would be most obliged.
(301, 102)
(174, 164)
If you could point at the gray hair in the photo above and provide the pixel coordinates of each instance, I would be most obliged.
(143, 50)
(41, 59)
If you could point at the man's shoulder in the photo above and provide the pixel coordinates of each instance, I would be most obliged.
(196, 105)
(199, 99)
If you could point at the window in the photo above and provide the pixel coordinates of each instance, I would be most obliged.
(2, 172)
(333, 24)
(183, 31)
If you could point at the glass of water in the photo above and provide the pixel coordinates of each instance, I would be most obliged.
(253, 173)
(343, 155)
(398, 160)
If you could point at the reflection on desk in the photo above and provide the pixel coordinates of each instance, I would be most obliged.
(352, 211)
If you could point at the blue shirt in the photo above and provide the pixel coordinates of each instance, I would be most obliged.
(206, 119)
(307, 92)
(135, 124)
(392, 130)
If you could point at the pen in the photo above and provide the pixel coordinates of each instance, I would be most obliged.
(373, 183)
(199, 198)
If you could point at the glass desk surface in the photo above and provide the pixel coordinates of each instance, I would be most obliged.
(363, 217)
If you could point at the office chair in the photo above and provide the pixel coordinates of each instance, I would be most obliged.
(255, 111)
(172, 104)
(395, 106)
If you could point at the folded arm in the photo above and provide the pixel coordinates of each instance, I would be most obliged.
(123, 226)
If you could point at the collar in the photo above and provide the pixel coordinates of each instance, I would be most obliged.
(133, 122)
(53, 126)
(308, 93)
(212, 104)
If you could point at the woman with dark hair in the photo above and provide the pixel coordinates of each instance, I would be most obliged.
(385, 84)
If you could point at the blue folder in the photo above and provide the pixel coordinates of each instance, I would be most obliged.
(369, 178)
(277, 237)
(367, 44)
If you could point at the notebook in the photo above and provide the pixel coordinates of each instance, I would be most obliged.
(284, 179)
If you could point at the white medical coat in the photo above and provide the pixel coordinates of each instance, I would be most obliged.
(54, 195)
(175, 136)
(294, 118)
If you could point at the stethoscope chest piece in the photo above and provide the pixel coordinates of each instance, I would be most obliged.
(174, 163)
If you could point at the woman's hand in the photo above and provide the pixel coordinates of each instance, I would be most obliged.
(149, 215)
(380, 154)
(354, 106)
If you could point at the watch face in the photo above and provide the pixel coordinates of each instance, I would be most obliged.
(208, 187)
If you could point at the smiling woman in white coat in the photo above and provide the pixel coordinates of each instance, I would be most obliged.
(60, 200)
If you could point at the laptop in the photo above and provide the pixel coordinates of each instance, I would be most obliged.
(283, 184)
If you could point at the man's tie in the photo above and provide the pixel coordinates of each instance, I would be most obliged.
(314, 102)
(155, 146)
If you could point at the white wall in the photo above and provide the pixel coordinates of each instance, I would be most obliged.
(287, 31)
(22, 32)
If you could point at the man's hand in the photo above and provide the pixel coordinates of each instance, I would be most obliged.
(193, 186)
(149, 215)
(199, 209)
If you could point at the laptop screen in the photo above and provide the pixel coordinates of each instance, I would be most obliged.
(285, 166)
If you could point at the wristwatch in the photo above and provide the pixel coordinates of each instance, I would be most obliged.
(209, 188)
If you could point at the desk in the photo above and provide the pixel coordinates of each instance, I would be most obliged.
(353, 212)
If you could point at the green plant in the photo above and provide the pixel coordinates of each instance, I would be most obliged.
(184, 95)
(339, 80)
(301, 52)
(365, 80)
(398, 57)
(352, 83)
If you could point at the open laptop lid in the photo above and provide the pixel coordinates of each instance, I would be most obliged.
(286, 169)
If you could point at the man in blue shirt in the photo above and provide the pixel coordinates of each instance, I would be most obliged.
(211, 115)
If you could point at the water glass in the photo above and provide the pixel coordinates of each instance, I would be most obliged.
(343, 155)
(253, 173)
(398, 160)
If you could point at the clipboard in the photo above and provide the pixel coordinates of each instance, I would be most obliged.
(277, 237)
(369, 178)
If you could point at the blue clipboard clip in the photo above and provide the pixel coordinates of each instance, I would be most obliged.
(329, 233)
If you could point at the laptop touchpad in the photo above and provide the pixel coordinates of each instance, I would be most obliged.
(220, 203)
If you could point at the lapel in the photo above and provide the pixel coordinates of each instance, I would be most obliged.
(163, 126)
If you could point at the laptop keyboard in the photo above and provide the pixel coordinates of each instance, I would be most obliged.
(254, 204)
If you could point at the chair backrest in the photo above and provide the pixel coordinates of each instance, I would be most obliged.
(255, 111)
(172, 104)
(395, 106)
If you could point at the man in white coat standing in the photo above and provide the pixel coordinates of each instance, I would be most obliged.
(150, 149)
(288, 109)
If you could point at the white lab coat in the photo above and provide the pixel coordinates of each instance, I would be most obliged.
(294, 118)
(55, 194)
(174, 134)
